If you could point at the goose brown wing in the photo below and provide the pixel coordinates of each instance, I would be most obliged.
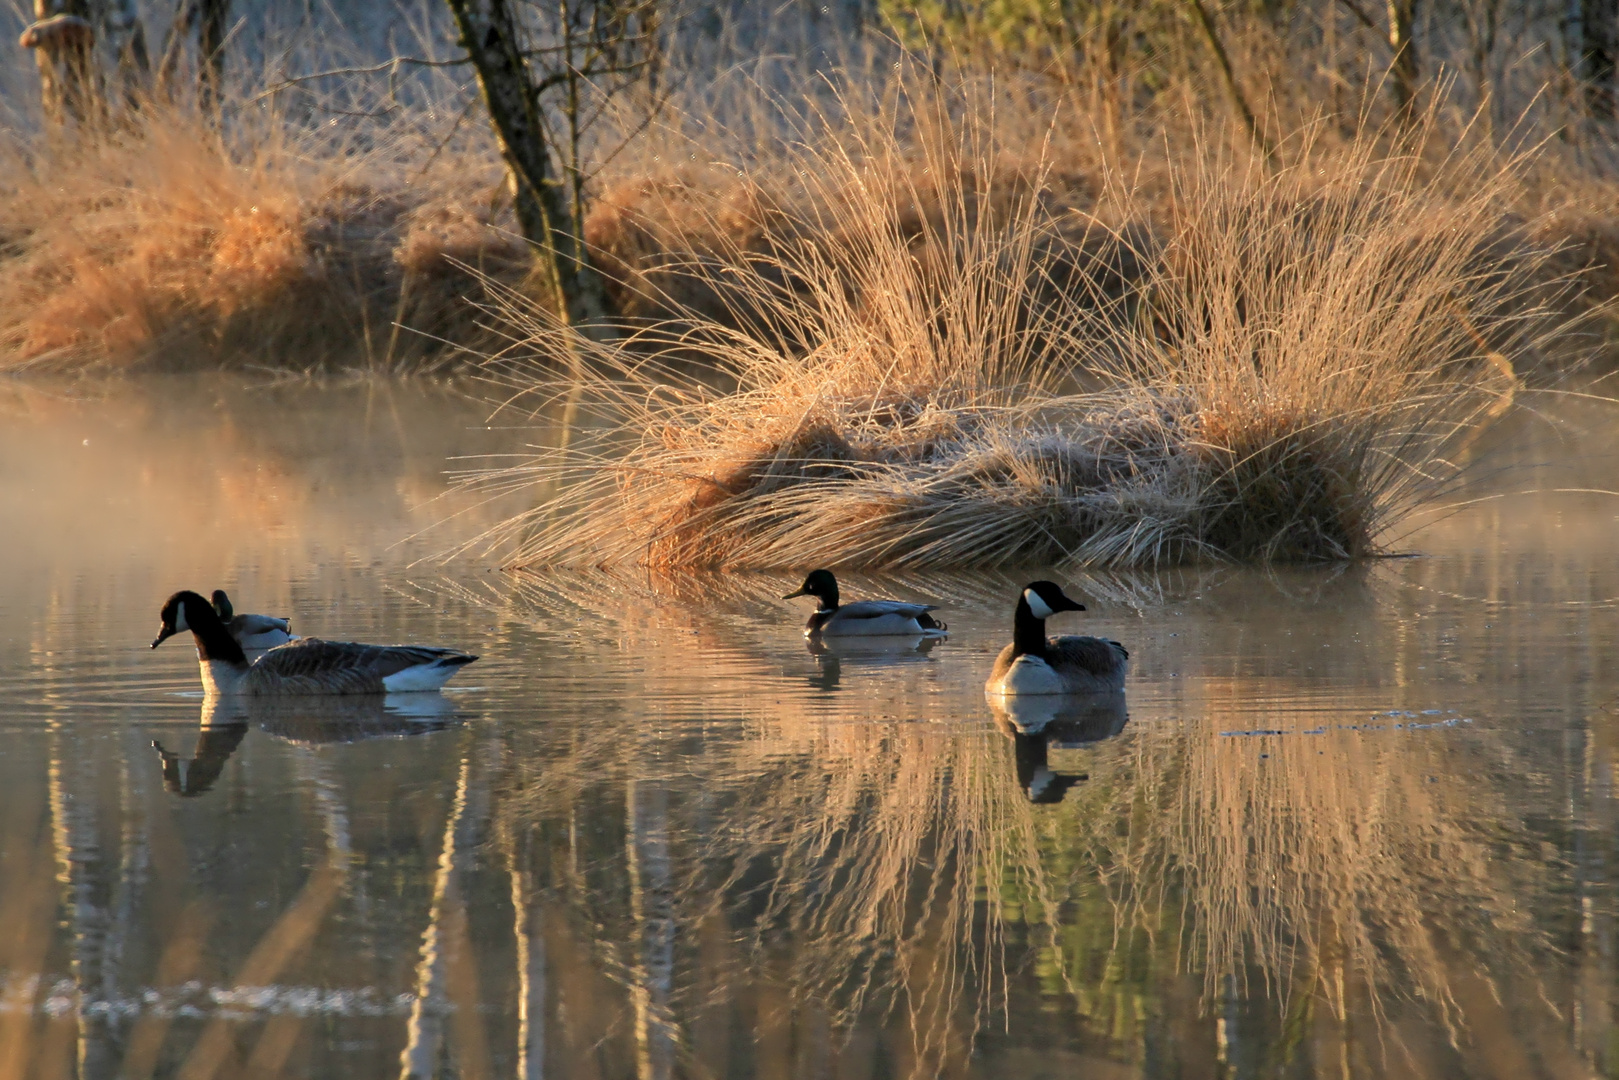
(1096, 655)
(336, 667)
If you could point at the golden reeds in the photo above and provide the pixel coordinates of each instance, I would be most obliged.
(1341, 861)
(289, 242)
(164, 244)
(960, 389)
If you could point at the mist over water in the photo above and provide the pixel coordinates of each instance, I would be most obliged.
(1349, 820)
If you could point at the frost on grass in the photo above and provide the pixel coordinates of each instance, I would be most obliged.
(1279, 381)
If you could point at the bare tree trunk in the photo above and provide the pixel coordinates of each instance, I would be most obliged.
(81, 871)
(1403, 69)
(652, 905)
(1483, 27)
(168, 65)
(125, 35)
(528, 924)
(463, 828)
(1599, 44)
(63, 39)
(212, 22)
(1211, 34)
(490, 35)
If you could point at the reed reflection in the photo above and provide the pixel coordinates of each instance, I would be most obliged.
(1206, 902)
(722, 873)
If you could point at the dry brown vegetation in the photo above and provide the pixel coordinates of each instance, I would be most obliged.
(962, 312)
(937, 360)
(332, 223)
(166, 247)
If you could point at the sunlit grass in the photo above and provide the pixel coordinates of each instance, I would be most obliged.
(1278, 382)
(166, 244)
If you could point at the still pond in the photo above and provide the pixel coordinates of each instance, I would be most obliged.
(1351, 821)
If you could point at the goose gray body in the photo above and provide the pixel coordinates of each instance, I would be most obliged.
(306, 665)
(313, 666)
(1071, 665)
(863, 618)
(1037, 664)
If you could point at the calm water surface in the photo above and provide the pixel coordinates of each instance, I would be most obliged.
(1351, 822)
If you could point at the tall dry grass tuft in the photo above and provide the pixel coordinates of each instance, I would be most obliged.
(164, 244)
(927, 360)
(117, 238)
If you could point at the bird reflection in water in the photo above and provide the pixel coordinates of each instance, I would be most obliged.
(308, 721)
(353, 718)
(193, 776)
(1036, 724)
(831, 652)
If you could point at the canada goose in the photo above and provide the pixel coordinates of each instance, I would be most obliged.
(305, 666)
(256, 634)
(863, 617)
(1036, 664)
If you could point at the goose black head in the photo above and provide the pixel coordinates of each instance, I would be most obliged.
(1046, 598)
(183, 611)
(821, 585)
(222, 606)
(186, 610)
(1038, 601)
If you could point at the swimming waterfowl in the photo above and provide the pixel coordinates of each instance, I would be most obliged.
(863, 617)
(305, 666)
(1036, 664)
(256, 634)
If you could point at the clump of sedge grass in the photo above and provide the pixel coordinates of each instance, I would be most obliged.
(1278, 384)
(165, 243)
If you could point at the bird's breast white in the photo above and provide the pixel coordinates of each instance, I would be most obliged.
(1039, 781)
(1031, 675)
(220, 677)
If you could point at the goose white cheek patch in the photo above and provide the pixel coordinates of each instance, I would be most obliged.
(1037, 605)
(180, 619)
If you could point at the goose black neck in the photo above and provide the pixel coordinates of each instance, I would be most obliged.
(1028, 632)
(213, 639)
